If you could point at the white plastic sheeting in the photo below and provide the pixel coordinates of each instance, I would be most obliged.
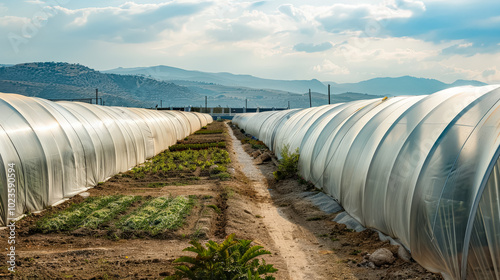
(422, 169)
(61, 149)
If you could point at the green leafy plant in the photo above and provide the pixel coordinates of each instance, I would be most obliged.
(288, 165)
(231, 259)
(155, 185)
(223, 176)
(215, 208)
(355, 252)
(218, 170)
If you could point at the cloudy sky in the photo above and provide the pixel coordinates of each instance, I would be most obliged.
(340, 41)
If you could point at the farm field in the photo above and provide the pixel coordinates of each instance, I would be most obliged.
(135, 225)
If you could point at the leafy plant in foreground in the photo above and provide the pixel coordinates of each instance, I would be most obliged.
(233, 259)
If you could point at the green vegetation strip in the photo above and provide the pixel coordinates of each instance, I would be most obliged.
(188, 160)
(256, 144)
(209, 131)
(93, 212)
(159, 214)
(181, 147)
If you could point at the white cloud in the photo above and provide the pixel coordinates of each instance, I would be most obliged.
(363, 17)
(310, 48)
(249, 25)
(328, 67)
(12, 22)
(412, 5)
(3, 9)
(343, 42)
(130, 22)
(464, 45)
(292, 12)
(492, 75)
(36, 2)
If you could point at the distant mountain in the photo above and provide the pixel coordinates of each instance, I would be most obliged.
(458, 83)
(405, 85)
(178, 87)
(59, 80)
(73, 81)
(5, 65)
(167, 73)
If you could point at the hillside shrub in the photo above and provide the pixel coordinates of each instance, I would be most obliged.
(288, 164)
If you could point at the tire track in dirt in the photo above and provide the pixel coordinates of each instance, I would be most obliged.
(287, 237)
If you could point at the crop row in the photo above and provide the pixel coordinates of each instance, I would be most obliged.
(153, 216)
(180, 147)
(158, 215)
(219, 131)
(188, 160)
(91, 213)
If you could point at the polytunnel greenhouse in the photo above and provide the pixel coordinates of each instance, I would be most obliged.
(422, 169)
(59, 149)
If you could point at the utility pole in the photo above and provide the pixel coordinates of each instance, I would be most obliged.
(288, 104)
(310, 100)
(328, 93)
(96, 96)
(161, 103)
(206, 110)
(246, 104)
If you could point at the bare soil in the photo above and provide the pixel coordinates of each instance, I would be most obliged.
(304, 242)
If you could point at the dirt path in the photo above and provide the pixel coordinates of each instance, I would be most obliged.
(311, 245)
(287, 237)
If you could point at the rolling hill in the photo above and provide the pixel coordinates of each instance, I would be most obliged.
(58, 80)
(169, 86)
(73, 81)
(167, 73)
